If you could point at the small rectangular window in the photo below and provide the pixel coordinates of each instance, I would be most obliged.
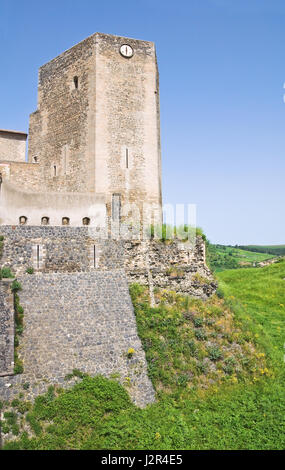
(38, 256)
(116, 207)
(127, 158)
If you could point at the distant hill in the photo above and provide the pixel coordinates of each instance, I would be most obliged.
(222, 257)
(277, 250)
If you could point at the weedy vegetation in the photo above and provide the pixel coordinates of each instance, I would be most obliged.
(217, 367)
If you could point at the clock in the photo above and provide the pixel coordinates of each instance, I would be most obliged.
(126, 51)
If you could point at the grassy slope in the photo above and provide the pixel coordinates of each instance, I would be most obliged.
(276, 250)
(221, 257)
(97, 413)
(261, 294)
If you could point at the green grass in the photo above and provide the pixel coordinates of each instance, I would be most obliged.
(276, 250)
(260, 297)
(168, 232)
(222, 257)
(246, 413)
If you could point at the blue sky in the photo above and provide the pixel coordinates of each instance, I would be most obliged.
(222, 70)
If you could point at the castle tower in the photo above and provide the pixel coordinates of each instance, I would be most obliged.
(97, 128)
(94, 140)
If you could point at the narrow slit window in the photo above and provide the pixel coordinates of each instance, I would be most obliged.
(38, 256)
(127, 158)
(54, 170)
(116, 207)
(75, 81)
(94, 256)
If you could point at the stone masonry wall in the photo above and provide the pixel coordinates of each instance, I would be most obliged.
(79, 321)
(22, 176)
(173, 265)
(58, 133)
(6, 328)
(127, 101)
(77, 308)
(63, 249)
(12, 145)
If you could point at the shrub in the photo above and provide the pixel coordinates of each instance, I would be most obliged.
(192, 347)
(18, 368)
(214, 353)
(78, 373)
(21, 406)
(202, 367)
(136, 290)
(16, 285)
(35, 425)
(166, 232)
(220, 293)
(229, 365)
(198, 322)
(6, 272)
(19, 328)
(20, 309)
(182, 380)
(30, 270)
(131, 352)
(200, 334)
(201, 280)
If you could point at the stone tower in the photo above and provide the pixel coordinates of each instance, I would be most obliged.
(95, 137)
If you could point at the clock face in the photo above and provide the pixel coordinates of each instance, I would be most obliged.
(126, 50)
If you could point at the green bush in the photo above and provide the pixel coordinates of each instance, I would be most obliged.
(200, 334)
(214, 353)
(192, 348)
(16, 286)
(30, 270)
(202, 367)
(198, 322)
(19, 327)
(220, 293)
(182, 380)
(6, 273)
(18, 367)
(166, 232)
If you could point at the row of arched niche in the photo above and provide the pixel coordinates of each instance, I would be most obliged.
(45, 220)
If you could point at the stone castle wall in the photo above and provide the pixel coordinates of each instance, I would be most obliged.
(79, 321)
(96, 132)
(127, 101)
(97, 126)
(12, 145)
(58, 133)
(55, 206)
(173, 265)
(6, 328)
(77, 308)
